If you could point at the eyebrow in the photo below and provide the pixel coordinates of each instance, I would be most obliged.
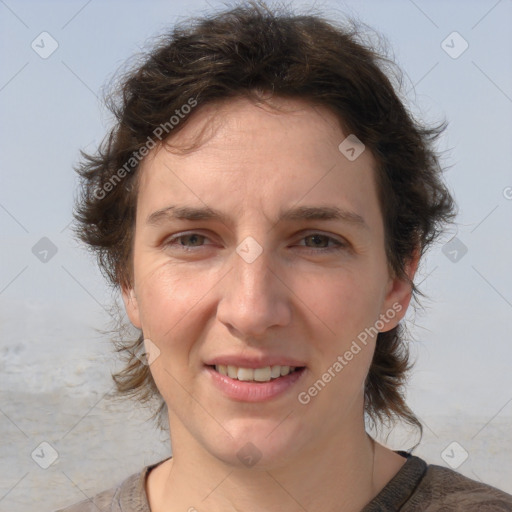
(300, 213)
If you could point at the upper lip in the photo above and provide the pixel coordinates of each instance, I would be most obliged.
(254, 362)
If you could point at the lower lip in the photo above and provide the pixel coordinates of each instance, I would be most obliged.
(244, 391)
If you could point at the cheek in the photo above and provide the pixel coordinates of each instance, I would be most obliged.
(166, 301)
(348, 307)
(169, 307)
(346, 302)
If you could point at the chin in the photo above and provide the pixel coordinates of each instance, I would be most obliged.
(259, 444)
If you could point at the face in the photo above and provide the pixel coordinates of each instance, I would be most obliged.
(261, 250)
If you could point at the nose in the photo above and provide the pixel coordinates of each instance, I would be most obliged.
(254, 297)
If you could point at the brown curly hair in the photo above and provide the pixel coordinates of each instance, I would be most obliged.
(249, 50)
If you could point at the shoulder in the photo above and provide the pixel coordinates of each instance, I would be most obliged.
(128, 496)
(102, 501)
(444, 489)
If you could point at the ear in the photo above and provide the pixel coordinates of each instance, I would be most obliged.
(131, 306)
(399, 294)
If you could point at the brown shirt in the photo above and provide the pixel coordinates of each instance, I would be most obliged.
(417, 487)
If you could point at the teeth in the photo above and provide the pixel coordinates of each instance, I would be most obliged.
(275, 372)
(254, 374)
(262, 374)
(245, 374)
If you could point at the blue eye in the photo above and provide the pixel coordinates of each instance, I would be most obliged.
(193, 236)
(315, 237)
(197, 241)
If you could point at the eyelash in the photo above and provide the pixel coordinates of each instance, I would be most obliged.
(338, 246)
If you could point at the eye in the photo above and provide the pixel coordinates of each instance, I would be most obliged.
(320, 243)
(195, 240)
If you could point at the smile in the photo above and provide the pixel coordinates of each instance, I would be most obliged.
(254, 384)
(265, 374)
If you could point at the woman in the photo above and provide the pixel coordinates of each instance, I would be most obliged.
(263, 203)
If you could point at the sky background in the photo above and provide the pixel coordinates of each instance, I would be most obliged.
(50, 108)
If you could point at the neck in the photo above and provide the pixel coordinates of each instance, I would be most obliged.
(341, 475)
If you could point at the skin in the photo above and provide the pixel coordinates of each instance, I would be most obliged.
(293, 299)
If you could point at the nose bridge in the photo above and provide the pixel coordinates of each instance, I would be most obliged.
(253, 298)
(251, 268)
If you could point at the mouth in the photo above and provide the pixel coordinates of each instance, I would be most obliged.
(254, 384)
(265, 374)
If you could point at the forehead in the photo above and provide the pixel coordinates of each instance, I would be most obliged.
(235, 124)
(238, 154)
